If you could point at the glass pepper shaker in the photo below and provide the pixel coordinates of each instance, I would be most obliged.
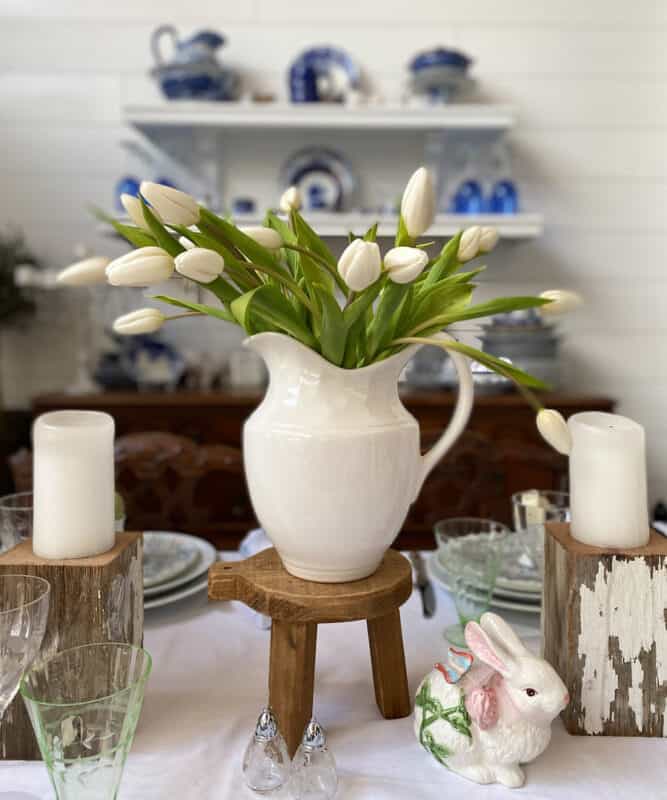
(266, 763)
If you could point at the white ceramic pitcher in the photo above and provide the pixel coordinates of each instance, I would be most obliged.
(332, 457)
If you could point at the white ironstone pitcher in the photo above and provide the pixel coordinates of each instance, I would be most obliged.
(332, 457)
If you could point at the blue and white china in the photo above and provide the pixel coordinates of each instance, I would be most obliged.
(128, 184)
(504, 198)
(468, 198)
(325, 180)
(192, 71)
(151, 363)
(440, 74)
(243, 205)
(323, 74)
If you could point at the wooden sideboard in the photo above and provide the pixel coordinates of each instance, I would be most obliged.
(501, 452)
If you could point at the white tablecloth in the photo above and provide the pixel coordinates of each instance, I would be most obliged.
(209, 683)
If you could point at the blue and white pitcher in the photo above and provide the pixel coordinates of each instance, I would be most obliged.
(192, 71)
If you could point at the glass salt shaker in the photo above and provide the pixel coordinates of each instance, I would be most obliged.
(314, 774)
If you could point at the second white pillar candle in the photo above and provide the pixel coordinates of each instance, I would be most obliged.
(73, 484)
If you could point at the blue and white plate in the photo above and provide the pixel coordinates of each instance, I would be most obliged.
(323, 177)
(167, 555)
(323, 74)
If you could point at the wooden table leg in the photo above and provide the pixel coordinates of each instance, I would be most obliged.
(388, 659)
(292, 677)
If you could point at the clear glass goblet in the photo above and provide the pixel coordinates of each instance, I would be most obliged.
(24, 610)
(84, 705)
(15, 519)
(531, 511)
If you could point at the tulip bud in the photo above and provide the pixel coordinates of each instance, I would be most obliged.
(267, 237)
(171, 206)
(145, 320)
(360, 264)
(488, 240)
(562, 302)
(418, 203)
(199, 264)
(404, 264)
(84, 273)
(142, 267)
(554, 430)
(290, 199)
(135, 211)
(185, 243)
(469, 244)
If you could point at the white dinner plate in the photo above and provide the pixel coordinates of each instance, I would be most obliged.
(175, 596)
(206, 555)
(166, 556)
(438, 575)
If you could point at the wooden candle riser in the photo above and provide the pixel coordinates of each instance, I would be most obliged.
(605, 632)
(98, 599)
(297, 607)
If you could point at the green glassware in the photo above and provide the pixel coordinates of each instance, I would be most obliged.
(470, 551)
(84, 705)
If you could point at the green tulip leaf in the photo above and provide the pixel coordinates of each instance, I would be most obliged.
(161, 235)
(219, 313)
(333, 331)
(403, 238)
(272, 308)
(446, 264)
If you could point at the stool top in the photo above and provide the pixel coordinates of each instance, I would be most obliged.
(262, 583)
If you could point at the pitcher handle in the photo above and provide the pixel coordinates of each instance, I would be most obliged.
(156, 38)
(460, 417)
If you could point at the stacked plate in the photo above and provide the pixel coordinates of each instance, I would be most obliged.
(175, 566)
(518, 584)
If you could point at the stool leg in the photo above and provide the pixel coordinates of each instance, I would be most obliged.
(388, 660)
(291, 677)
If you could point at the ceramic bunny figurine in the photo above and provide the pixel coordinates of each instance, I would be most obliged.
(483, 719)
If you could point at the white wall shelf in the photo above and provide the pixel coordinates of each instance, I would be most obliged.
(510, 226)
(244, 115)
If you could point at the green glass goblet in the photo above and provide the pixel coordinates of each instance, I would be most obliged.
(84, 705)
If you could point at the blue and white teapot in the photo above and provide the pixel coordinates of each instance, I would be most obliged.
(192, 71)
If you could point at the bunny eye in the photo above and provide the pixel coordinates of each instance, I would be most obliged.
(531, 692)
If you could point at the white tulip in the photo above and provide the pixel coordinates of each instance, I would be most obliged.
(562, 302)
(404, 264)
(145, 320)
(135, 211)
(488, 239)
(267, 237)
(554, 430)
(186, 243)
(469, 245)
(418, 203)
(290, 199)
(88, 272)
(173, 206)
(360, 264)
(142, 267)
(199, 264)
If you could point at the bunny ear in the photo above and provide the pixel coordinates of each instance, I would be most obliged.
(500, 632)
(484, 649)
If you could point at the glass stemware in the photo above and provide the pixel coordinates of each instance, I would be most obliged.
(24, 610)
(470, 551)
(84, 705)
(15, 519)
(531, 511)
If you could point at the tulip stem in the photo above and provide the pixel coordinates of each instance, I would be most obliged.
(186, 314)
(287, 281)
(322, 262)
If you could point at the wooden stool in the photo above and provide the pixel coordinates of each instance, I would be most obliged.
(297, 607)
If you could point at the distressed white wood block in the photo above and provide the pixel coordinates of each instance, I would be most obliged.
(604, 621)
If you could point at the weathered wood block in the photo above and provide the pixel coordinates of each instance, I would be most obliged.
(604, 626)
(98, 599)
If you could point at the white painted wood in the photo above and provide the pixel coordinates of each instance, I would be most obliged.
(470, 116)
(636, 631)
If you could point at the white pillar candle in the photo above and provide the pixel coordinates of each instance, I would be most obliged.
(608, 497)
(73, 484)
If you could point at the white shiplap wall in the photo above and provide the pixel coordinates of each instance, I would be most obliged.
(589, 79)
